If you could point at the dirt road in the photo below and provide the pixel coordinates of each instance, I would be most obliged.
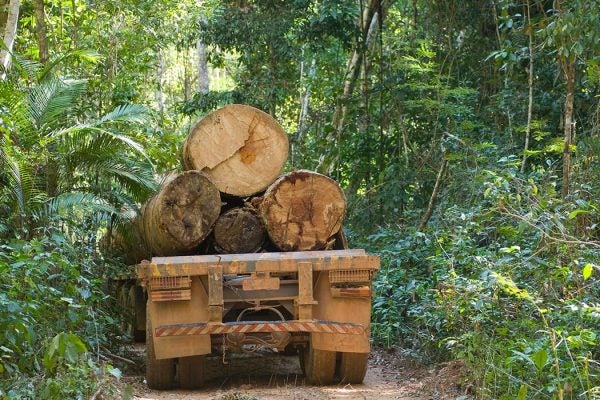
(263, 377)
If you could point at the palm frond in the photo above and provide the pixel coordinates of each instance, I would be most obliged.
(133, 177)
(26, 68)
(86, 55)
(74, 201)
(80, 131)
(53, 98)
(131, 113)
(22, 185)
(9, 168)
(15, 115)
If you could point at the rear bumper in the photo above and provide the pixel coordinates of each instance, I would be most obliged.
(312, 326)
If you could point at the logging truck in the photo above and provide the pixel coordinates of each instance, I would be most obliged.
(270, 268)
(315, 304)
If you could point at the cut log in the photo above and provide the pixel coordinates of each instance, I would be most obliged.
(240, 147)
(239, 230)
(181, 214)
(303, 210)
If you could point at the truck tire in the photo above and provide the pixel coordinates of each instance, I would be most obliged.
(353, 367)
(160, 374)
(318, 366)
(139, 320)
(191, 372)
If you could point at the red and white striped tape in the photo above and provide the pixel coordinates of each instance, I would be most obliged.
(254, 327)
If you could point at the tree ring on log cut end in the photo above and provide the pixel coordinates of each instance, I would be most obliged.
(303, 210)
(181, 215)
(241, 148)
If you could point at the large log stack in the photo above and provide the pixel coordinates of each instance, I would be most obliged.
(232, 199)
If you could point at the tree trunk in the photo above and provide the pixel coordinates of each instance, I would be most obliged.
(203, 81)
(434, 195)
(10, 33)
(3, 14)
(40, 30)
(240, 147)
(187, 80)
(181, 214)
(305, 98)
(239, 230)
(369, 23)
(303, 210)
(530, 83)
(160, 97)
(569, 71)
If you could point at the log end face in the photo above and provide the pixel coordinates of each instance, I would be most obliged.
(303, 210)
(187, 210)
(239, 230)
(241, 148)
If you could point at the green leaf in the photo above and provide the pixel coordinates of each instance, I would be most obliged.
(51, 355)
(575, 213)
(64, 346)
(522, 393)
(116, 372)
(587, 271)
(540, 358)
(73, 347)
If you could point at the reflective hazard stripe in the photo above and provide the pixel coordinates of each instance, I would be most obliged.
(346, 328)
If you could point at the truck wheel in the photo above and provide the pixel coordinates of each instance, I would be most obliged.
(139, 320)
(353, 367)
(191, 372)
(160, 374)
(318, 366)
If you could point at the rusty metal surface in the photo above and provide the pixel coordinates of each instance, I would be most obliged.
(260, 283)
(170, 282)
(350, 276)
(202, 328)
(363, 291)
(288, 290)
(171, 295)
(258, 262)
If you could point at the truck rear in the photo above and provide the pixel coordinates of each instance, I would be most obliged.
(315, 304)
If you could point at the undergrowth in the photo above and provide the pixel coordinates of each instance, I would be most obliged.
(508, 285)
(54, 319)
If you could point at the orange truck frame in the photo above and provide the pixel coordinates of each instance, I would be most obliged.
(316, 304)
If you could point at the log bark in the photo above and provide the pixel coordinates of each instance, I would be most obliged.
(181, 214)
(239, 230)
(241, 148)
(303, 210)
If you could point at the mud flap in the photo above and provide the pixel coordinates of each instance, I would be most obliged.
(177, 312)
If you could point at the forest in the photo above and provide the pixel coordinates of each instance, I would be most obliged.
(465, 135)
